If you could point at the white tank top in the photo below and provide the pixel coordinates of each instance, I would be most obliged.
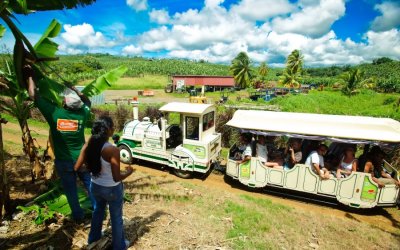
(105, 177)
(347, 166)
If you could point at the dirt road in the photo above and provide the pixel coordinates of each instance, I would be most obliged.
(387, 219)
(159, 96)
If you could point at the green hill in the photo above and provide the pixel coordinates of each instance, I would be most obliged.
(77, 68)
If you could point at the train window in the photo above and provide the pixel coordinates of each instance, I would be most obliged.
(208, 120)
(192, 128)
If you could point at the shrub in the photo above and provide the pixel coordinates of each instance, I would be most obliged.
(228, 134)
(120, 117)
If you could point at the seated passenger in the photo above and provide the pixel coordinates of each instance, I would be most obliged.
(348, 163)
(374, 166)
(262, 153)
(245, 148)
(236, 151)
(293, 153)
(316, 161)
(271, 145)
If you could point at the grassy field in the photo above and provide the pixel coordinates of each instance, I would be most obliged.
(366, 103)
(139, 83)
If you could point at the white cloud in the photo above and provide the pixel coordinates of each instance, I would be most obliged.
(159, 16)
(196, 30)
(70, 51)
(83, 38)
(217, 34)
(131, 50)
(212, 3)
(313, 20)
(379, 44)
(390, 17)
(137, 5)
(83, 35)
(262, 9)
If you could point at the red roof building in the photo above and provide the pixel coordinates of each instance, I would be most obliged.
(217, 82)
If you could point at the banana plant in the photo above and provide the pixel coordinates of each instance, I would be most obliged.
(38, 56)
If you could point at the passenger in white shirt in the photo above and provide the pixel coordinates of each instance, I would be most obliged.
(245, 140)
(262, 153)
(316, 161)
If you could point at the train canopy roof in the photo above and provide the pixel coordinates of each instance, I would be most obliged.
(318, 126)
(187, 108)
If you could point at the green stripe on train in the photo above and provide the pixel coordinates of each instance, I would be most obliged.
(163, 159)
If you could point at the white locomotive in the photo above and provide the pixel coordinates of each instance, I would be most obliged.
(190, 146)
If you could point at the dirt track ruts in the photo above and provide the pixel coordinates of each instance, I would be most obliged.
(386, 219)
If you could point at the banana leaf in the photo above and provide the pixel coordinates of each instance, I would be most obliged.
(45, 47)
(26, 6)
(42, 214)
(104, 81)
(2, 30)
(50, 90)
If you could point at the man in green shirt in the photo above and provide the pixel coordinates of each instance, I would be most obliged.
(67, 132)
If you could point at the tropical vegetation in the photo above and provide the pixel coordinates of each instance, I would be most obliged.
(294, 66)
(241, 70)
(14, 97)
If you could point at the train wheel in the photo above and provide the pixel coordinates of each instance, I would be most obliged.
(125, 154)
(183, 174)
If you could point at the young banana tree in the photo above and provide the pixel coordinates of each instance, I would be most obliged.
(4, 187)
(38, 56)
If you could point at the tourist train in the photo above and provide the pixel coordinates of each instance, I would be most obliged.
(192, 145)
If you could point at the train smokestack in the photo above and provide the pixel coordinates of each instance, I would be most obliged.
(135, 104)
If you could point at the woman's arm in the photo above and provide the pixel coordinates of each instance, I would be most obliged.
(354, 166)
(338, 173)
(385, 175)
(369, 168)
(246, 159)
(115, 166)
(81, 158)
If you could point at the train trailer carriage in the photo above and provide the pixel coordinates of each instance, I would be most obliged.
(192, 145)
(357, 190)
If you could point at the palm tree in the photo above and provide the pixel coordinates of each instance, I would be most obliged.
(294, 65)
(294, 62)
(263, 69)
(241, 70)
(354, 79)
(290, 80)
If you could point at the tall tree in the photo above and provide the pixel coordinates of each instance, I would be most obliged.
(263, 69)
(294, 66)
(241, 70)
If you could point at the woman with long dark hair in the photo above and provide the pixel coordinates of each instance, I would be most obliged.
(374, 166)
(103, 161)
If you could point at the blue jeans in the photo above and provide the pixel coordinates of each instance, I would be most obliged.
(65, 170)
(114, 197)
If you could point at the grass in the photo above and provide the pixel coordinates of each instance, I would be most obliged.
(140, 83)
(247, 226)
(252, 221)
(31, 122)
(366, 103)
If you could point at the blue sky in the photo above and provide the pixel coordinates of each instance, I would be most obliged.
(328, 32)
